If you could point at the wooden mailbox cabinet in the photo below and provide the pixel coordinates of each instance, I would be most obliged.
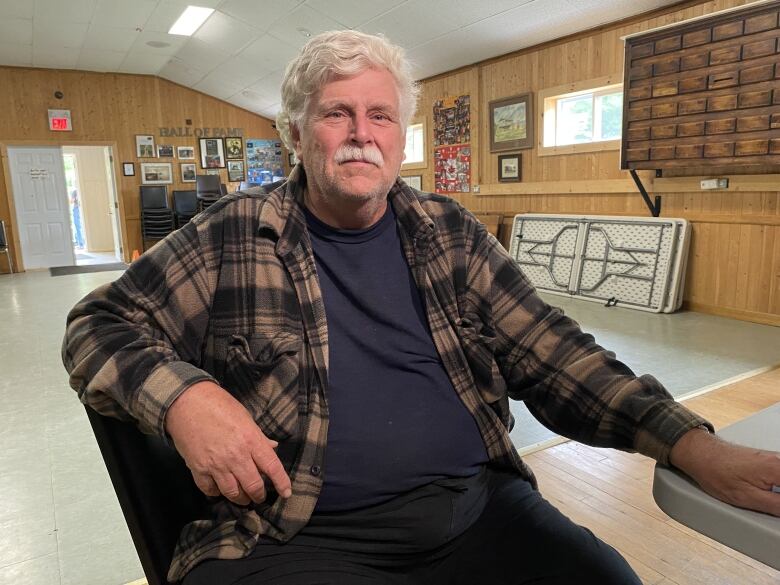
(705, 92)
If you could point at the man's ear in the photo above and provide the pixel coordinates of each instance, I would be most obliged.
(295, 133)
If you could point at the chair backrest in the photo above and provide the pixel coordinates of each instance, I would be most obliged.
(154, 196)
(208, 184)
(492, 222)
(155, 490)
(185, 202)
(3, 236)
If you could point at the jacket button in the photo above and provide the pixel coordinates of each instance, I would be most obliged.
(315, 470)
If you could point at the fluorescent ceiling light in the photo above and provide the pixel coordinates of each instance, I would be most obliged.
(190, 20)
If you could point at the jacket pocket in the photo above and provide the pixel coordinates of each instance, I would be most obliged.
(263, 372)
(478, 341)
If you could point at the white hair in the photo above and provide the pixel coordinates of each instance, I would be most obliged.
(343, 53)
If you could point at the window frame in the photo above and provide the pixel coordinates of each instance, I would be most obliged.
(419, 164)
(547, 103)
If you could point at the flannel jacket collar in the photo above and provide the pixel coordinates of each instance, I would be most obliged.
(281, 216)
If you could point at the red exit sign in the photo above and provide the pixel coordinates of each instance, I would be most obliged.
(59, 121)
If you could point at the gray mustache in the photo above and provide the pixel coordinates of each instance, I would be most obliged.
(369, 154)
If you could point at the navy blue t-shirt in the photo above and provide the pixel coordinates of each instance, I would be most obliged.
(396, 422)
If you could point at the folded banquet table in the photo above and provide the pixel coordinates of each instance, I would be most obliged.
(752, 533)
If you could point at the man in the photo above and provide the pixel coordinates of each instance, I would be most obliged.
(333, 361)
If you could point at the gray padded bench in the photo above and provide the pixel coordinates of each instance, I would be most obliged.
(752, 533)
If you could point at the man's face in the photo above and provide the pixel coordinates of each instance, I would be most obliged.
(351, 141)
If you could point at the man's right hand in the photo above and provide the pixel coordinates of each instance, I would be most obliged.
(222, 445)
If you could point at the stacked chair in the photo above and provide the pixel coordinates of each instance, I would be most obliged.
(185, 206)
(209, 189)
(156, 214)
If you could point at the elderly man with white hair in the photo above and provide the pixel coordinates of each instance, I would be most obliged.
(333, 359)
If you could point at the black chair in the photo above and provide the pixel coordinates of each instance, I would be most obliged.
(4, 246)
(208, 189)
(185, 206)
(156, 214)
(154, 487)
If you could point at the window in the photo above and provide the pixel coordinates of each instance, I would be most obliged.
(581, 119)
(415, 146)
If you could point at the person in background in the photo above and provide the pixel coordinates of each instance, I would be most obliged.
(333, 359)
(75, 210)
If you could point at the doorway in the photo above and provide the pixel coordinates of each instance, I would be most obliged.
(93, 207)
(66, 206)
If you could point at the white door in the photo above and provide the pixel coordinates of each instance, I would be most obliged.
(113, 203)
(41, 203)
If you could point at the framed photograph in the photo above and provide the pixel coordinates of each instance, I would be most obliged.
(234, 147)
(128, 169)
(510, 168)
(511, 123)
(212, 171)
(185, 152)
(156, 173)
(414, 181)
(144, 146)
(212, 153)
(187, 172)
(235, 170)
(165, 151)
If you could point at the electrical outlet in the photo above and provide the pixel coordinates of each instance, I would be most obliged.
(475, 188)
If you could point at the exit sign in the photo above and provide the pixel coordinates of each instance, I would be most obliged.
(59, 121)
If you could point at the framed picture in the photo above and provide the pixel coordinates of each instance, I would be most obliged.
(185, 152)
(187, 172)
(234, 147)
(144, 146)
(128, 169)
(235, 170)
(510, 168)
(156, 173)
(414, 181)
(165, 151)
(511, 123)
(212, 153)
(212, 171)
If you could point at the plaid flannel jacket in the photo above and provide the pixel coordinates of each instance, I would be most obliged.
(233, 297)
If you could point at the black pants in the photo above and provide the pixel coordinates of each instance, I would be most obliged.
(491, 529)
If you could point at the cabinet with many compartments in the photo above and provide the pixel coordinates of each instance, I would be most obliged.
(705, 92)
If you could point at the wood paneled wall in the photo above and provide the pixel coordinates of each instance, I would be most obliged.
(109, 109)
(734, 263)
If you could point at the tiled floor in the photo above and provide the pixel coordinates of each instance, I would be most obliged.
(60, 522)
(59, 519)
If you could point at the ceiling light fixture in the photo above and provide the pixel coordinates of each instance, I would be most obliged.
(190, 20)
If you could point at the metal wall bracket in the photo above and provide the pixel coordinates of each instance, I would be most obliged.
(655, 209)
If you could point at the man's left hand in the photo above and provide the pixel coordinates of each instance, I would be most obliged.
(741, 476)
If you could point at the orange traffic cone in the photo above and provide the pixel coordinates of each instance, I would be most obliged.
(136, 255)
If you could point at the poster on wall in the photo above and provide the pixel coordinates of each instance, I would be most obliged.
(212, 153)
(264, 161)
(453, 169)
(235, 170)
(452, 121)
